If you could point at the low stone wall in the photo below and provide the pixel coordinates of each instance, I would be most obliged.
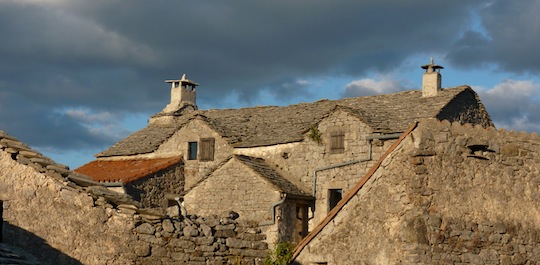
(210, 240)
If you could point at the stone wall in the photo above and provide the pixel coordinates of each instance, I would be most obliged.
(194, 131)
(61, 222)
(151, 190)
(199, 240)
(448, 194)
(235, 187)
(466, 108)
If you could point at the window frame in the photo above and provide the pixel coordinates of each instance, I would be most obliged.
(332, 196)
(193, 151)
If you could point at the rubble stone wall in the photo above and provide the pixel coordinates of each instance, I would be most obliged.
(151, 190)
(449, 194)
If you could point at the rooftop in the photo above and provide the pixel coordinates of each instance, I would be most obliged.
(126, 170)
(270, 125)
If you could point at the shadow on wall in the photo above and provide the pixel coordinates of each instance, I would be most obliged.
(34, 245)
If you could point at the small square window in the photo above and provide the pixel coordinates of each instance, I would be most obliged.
(337, 142)
(192, 151)
(334, 196)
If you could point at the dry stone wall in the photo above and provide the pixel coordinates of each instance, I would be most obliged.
(152, 190)
(449, 194)
(61, 222)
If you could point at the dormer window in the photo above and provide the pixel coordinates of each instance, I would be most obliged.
(337, 142)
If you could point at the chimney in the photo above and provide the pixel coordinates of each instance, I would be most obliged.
(431, 80)
(182, 95)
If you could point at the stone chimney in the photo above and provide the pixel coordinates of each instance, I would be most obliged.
(182, 95)
(431, 80)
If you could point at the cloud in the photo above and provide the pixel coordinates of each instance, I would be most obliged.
(507, 36)
(513, 104)
(368, 86)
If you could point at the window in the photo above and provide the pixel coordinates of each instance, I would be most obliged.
(207, 149)
(192, 151)
(337, 142)
(334, 196)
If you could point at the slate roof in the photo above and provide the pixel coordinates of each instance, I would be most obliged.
(126, 170)
(262, 169)
(264, 126)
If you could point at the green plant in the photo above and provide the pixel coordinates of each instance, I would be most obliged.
(280, 255)
(315, 134)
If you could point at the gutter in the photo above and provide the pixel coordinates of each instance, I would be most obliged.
(273, 211)
(369, 138)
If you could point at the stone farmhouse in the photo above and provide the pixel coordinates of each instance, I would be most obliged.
(282, 167)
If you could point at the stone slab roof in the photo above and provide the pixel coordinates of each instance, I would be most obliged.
(126, 171)
(261, 168)
(270, 125)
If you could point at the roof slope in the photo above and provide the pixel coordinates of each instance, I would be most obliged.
(262, 169)
(263, 126)
(126, 170)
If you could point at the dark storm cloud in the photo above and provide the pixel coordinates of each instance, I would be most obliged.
(508, 37)
(112, 56)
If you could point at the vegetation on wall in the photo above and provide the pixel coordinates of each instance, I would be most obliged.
(315, 134)
(280, 255)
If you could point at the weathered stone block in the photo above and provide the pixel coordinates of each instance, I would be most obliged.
(252, 237)
(204, 241)
(225, 233)
(248, 252)
(238, 243)
(181, 243)
(145, 228)
(142, 250)
(206, 230)
(190, 231)
(225, 227)
(167, 226)
(179, 256)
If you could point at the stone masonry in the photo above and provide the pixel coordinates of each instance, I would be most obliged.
(448, 194)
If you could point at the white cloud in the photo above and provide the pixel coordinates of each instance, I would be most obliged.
(104, 125)
(513, 104)
(383, 84)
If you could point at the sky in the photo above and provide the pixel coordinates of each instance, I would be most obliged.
(76, 76)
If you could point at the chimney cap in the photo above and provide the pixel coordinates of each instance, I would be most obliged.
(431, 66)
(183, 80)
